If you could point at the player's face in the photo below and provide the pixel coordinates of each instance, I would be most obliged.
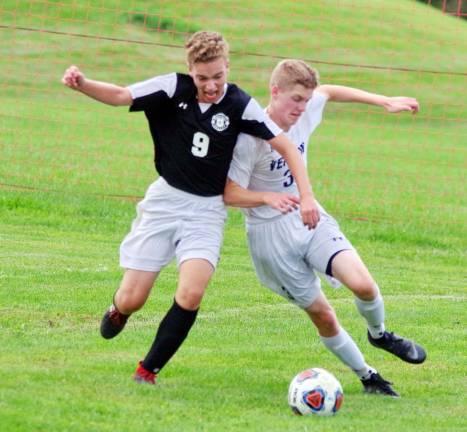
(287, 105)
(209, 79)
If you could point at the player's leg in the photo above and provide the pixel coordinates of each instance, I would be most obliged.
(195, 275)
(277, 252)
(330, 252)
(174, 327)
(348, 268)
(339, 342)
(146, 249)
(335, 338)
(131, 296)
(197, 243)
(134, 290)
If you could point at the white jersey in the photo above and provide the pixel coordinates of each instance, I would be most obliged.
(258, 167)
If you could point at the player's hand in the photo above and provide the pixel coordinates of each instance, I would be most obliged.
(401, 103)
(73, 78)
(309, 211)
(283, 202)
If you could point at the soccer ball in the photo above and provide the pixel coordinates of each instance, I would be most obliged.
(315, 391)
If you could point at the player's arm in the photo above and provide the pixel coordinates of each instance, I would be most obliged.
(308, 206)
(336, 93)
(107, 93)
(237, 196)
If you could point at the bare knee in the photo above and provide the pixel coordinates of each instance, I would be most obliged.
(348, 268)
(128, 302)
(189, 297)
(134, 290)
(194, 278)
(325, 321)
(364, 288)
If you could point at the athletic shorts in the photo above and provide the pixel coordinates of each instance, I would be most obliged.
(286, 254)
(170, 224)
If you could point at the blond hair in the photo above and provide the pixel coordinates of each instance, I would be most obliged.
(205, 46)
(289, 73)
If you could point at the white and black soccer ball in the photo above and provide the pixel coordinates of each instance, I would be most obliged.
(315, 391)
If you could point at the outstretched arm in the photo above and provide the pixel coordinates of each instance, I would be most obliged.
(237, 196)
(308, 207)
(396, 104)
(107, 93)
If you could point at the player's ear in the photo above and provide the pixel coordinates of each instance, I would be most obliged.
(274, 90)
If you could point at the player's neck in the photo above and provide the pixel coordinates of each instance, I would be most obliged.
(275, 117)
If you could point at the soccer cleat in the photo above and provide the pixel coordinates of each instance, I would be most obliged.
(405, 349)
(112, 323)
(376, 384)
(143, 376)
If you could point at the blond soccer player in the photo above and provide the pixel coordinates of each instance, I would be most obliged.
(194, 119)
(285, 255)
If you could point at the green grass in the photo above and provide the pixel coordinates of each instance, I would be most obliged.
(395, 183)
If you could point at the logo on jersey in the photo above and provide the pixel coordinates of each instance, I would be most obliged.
(183, 105)
(280, 162)
(220, 122)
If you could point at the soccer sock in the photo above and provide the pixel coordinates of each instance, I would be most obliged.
(172, 331)
(373, 312)
(344, 348)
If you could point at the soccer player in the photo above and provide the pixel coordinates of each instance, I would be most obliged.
(287, 256)
(194, 120)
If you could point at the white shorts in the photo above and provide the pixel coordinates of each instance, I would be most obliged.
(172, 223)
(286, 254)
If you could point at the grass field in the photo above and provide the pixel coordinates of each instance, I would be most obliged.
(71, 171)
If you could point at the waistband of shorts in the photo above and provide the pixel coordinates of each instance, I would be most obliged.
(162, 183)
(255, 221)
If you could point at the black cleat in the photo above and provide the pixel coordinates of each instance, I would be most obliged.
(376, 384)
(405, 349)
(112, 323)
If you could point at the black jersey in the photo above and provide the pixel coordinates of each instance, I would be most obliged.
(193, 149)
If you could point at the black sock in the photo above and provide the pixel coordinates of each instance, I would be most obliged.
(172, 331)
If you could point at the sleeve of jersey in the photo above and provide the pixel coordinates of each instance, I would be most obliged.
(243, 160)
(255, 122)
(315, 108)
(152, 93)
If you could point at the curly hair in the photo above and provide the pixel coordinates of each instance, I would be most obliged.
(288, 73)
(205, 46)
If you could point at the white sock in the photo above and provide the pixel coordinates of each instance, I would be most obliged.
(365, 374)
(346, 350)
(373, 312)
